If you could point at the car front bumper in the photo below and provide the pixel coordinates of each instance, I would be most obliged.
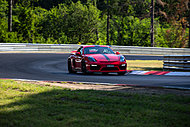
(106, 66)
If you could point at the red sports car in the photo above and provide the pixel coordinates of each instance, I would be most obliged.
(96, 58)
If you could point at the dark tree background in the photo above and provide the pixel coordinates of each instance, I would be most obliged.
(85, 22)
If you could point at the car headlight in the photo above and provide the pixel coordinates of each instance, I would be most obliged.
(122, 59)
(91, 59)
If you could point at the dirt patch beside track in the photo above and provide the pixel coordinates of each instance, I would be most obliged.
(128, 89)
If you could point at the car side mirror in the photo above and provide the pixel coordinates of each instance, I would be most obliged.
(78, 53)
(117, 53)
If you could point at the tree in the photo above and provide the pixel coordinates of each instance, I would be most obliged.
(134, 31)
(119, 9)
(10, 15)
(54, 24)
(152, 24)
(189, 23)
(78, 22)
(3, 19)
(82, 22)
(108, 22)
(174, 15)
(26, 20)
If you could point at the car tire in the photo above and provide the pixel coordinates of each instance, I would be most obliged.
(121, 73)
(70, 67)
(83, 67)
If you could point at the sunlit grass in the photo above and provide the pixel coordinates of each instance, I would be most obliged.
(30, 105)
(145, 65)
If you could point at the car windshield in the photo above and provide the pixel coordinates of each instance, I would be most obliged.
(98, 50)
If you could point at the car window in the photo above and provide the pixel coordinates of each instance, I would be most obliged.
(80, 50)
(98, 50)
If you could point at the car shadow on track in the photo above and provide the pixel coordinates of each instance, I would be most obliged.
(98, 74)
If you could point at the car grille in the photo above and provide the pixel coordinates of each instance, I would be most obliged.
(107, 61)
(109, 69)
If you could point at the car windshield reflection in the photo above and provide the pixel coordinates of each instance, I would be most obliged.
(98, 50)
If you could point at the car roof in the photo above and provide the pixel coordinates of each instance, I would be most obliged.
(85, 46)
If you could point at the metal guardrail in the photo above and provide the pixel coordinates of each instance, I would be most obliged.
(177, 62)
(70, 47)
(5, 47)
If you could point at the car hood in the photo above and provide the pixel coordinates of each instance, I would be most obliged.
(105, 57)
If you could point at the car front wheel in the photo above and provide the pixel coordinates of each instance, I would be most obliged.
(84, 71)
(70, 67)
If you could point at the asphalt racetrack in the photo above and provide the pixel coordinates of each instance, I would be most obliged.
(53, 67)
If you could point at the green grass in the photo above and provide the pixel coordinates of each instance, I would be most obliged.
(30, 105)
(145, 65)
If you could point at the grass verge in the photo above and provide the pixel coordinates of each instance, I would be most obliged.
(145, 65)
(30, 105)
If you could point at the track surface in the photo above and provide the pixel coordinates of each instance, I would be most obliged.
(35, 66)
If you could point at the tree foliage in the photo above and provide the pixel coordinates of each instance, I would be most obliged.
(84, 21)
(174, 16)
